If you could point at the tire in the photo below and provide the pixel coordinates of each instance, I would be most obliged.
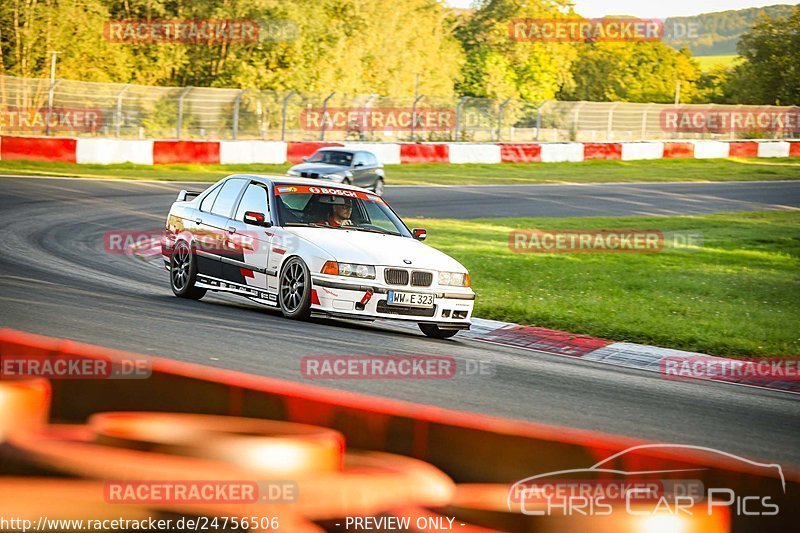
(435, 332)
(346, 181)
(294, 289)
(378, 188)
(183, 272)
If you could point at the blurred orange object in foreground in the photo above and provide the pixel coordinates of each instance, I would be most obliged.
(24, 406)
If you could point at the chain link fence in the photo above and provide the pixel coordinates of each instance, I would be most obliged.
(74, 108)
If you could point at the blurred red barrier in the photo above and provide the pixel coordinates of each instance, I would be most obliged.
(38, 148)
(677, 150)
(602, 151)
(185, 152)
(744, 149)
(438, 444)
(424, 153)
(520, 153)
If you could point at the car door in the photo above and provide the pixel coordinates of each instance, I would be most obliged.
(212, 231)
(249, 244)
(360, 170)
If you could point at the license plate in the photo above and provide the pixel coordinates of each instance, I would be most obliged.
(410, 299)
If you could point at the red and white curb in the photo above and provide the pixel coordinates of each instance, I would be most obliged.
(622, 354)
(154, 152)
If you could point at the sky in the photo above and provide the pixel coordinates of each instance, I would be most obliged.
(654, 8)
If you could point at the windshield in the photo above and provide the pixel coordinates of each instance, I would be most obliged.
(329, 207)
(332, 157)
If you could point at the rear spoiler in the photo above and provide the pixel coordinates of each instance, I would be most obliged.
(185, 195)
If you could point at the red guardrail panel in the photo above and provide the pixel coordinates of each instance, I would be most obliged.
(520, 153)
(678, 150)
(744, 149)
(185, 152)
(424, 153)
(794, 149)
(602, 151)
(38, 148)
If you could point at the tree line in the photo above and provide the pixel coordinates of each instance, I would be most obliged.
(401, 48)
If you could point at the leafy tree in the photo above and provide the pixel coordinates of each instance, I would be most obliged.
(632, 72)
(499, 67)
(770, 70)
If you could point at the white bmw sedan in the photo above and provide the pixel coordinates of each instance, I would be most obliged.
(336, 251)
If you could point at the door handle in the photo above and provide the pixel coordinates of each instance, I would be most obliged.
(198, 221)
(231, 229)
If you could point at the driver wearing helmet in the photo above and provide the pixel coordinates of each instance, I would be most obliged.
(340, 211)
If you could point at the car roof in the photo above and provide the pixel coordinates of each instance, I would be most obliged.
(267, 179)
(338, 149)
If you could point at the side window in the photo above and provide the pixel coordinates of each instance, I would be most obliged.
(360, 158)
(208, 201)
(371, 159)
(227, 197)
(254, 199)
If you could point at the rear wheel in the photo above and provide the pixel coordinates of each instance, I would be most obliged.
(435, 332)
(294, 292)
(346, 181)
(183, 272)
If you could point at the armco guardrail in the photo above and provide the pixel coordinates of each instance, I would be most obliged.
(354, 456)
(35, 106)
(109, 151)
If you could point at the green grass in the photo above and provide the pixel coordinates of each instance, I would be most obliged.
(442, 174)
(709, 62)
(737, 295)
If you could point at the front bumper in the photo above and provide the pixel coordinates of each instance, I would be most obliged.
(365, 299)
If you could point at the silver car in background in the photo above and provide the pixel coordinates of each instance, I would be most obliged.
(345, 166)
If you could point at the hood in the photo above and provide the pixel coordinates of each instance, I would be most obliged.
(319, 168)
(350, 246)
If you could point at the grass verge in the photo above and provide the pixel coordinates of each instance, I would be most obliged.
(442, 174)
(737, 295)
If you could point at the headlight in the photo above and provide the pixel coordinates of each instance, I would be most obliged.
(456, 279)
(333, 177)
(291, 172)
(349, 269)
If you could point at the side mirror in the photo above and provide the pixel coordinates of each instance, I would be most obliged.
(419, 233)
(256, 219)
(305, 159)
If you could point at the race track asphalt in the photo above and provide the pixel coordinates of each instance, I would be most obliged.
(56, 279)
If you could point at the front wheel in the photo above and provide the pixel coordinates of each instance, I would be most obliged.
(294, 292)
(435, 332)
(183, 272)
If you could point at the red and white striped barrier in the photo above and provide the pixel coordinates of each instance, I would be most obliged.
(147, 152)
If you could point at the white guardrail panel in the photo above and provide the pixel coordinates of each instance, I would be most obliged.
(474, 153)
(111, 151)
(642, 150)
